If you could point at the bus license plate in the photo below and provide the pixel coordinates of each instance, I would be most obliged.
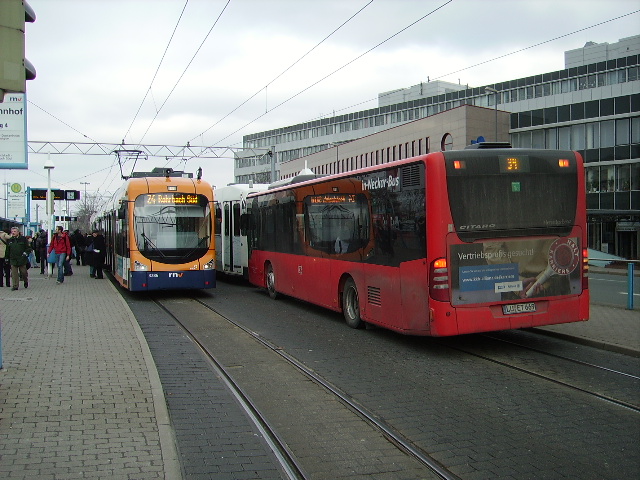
(519, 308)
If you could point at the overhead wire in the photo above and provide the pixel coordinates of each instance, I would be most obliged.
(157, 69)
(184, 71)
(286, 69)
(537, 44)
(337, 70)
(61, 121)
(443, 75)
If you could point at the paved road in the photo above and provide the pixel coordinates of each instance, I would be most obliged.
(611, 289)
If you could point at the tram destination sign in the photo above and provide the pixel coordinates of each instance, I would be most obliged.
(41, 194)
(171, 199)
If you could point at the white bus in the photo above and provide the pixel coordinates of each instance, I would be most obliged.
(230, 231)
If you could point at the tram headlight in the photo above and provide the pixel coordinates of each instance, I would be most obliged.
(140, 267)
(210, 265)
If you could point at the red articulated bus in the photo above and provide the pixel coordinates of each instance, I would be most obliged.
(447, 243)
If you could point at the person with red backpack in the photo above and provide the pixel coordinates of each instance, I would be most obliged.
(59, 251)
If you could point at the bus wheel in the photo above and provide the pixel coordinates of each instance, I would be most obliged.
(271, 282)
(351, 305)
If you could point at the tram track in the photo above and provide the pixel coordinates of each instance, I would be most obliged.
(553, 373)
(278, 447)
(563, 357)
(458, 409)
(293, 467)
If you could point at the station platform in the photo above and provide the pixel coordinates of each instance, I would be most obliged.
(80, 395)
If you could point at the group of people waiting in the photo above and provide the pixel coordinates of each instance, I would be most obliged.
(18, 253)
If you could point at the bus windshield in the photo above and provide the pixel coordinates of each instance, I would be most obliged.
(172, 227)
(511, 194)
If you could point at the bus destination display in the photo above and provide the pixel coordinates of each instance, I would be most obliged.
(333, 198)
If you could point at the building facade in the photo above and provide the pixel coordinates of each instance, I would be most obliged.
(592, 106)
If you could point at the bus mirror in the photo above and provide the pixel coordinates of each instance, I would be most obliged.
(122, 212)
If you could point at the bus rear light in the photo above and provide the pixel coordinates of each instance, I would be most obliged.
(459, 164)
(563, 162)
(440, 263)
(439, 280)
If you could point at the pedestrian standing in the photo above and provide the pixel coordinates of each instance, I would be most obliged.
(36, 252)
(19, 250)
(60, 246)
(99, 252)
(88, 255)
(41, 247)
(5, 267)
(77, 242)
(68, 271)
(32, 255)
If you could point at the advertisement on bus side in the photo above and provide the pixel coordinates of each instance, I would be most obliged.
(507, 270)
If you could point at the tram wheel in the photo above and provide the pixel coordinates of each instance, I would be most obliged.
(271, 282)
(351, 305)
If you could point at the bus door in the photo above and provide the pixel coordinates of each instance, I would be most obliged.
(218, 235)
(232, 240)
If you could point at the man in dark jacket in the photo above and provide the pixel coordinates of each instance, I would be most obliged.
(5, 267)
(77, 242)
(41, 248)
(19, 249)
(99, 252)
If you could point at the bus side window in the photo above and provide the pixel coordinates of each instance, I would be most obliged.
(226, 220)
(218, 218)
(236, 219)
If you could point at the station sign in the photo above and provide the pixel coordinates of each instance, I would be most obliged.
(41, 194)
(16, 206)
(13, 128)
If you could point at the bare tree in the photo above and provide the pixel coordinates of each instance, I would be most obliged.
(89, 205)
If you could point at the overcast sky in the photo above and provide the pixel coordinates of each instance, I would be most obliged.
(96, 61)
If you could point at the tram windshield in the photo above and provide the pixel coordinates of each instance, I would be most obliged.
(172, 227)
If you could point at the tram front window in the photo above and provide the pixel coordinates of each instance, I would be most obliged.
(172, 227)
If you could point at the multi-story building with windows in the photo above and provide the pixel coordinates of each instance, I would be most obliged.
(592, 106)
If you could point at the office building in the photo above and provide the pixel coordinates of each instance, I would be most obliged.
(592, 106)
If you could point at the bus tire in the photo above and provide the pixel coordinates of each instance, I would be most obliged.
(271, 282)
(351, 305)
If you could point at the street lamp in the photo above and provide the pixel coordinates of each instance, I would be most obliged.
(85, 187)
(495, 93)
(48, 166)
(6, 199)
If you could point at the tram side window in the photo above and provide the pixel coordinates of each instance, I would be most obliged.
(122, 230)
